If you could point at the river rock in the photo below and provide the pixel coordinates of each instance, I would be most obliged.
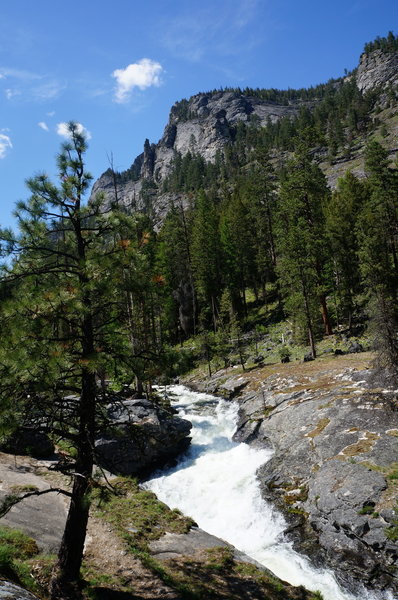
(11, 591)
(233, 386)
(172, 545)
(334, 468)
(355, 347)
(141, 437)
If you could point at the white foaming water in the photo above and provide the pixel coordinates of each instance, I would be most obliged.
(215, 483)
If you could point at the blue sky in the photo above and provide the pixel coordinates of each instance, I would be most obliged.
(117, 67)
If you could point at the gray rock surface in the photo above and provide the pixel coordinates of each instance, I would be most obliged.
(233, 386)
(210, 125)
(42, 517)
(11, 591)
(172, 545)
(335, 442)
(377, 69)
(184, 544)
(142, 436)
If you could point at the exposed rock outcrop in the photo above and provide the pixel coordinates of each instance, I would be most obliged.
(11, 591)
(377, 69)
(202, 125)
(141, 437)
(41, 517)
(334, 470)
(172, 545)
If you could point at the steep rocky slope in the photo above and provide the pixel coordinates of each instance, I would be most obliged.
(334, 431)
(206, 122)
(377, 69)
(203, 125)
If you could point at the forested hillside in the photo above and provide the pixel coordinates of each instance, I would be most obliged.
(266, 222)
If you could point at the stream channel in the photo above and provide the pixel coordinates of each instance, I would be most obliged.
(215, 483)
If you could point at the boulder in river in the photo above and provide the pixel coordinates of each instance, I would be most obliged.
(141, 436)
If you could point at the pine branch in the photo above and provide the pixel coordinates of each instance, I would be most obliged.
(12, 499)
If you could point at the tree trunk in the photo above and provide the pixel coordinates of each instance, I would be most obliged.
(312, 342)
(70, 556)
(325, 316)
(67, 572)
(213, 311)
(308, 318)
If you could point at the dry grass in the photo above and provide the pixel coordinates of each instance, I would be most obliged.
(362, 446)
(316, 375)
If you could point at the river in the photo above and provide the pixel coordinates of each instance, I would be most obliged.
(215, 483)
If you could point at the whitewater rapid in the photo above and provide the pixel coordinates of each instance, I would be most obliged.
(215, 483)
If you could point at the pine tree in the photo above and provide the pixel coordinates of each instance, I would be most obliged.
(377, 227)
(341, 220)
(174, 257)
(206, 255)
(238, 251)
(259, 194)
(66, 325)
(302, 244)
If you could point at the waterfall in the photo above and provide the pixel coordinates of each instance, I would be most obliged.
(215, 483)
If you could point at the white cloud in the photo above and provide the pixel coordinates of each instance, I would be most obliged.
(47, 91)
(142, 74)
(43, 125)
(63, 130)
(10, 93)
(31, 86)
(51, 113)
(20, 74)
(5, 144)
(214, 32)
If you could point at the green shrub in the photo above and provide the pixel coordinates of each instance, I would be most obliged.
(15, 548)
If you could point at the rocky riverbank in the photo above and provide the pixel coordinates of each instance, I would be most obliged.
(141, 436)
(172, 559)
(334, 474)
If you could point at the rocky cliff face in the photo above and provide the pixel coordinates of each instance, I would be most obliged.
(205, 123)
(377, 69)
(211, 121)
(202, 125)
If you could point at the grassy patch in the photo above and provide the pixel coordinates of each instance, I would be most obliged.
(393, 474)
(361, 446)
(392, 531)
(137, 513)
(321, 425)
(23, 489)
(213, 574)
(16, 549)
(368, 509)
